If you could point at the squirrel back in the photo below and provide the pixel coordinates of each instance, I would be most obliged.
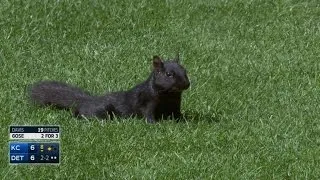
(157, 97)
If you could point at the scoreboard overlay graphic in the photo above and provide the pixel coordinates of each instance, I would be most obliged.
(34, 132)
(34, 152)
(34, 145)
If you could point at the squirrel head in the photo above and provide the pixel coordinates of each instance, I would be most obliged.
(169, 76)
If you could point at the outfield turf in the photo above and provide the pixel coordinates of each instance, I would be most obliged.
(252, 111)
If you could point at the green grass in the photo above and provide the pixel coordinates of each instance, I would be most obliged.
(252, 110)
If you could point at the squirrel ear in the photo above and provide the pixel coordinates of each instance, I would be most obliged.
(157, 63)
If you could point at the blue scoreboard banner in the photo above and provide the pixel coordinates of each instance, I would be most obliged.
(34, 152)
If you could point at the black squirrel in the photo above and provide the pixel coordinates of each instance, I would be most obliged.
(157, 97)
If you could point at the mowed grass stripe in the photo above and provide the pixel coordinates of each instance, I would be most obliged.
(251, 111)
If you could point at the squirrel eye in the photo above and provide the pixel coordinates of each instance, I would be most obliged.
(169, 74)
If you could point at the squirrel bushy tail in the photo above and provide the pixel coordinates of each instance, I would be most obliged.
(58, 94)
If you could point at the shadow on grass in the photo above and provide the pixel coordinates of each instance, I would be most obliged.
(197, 116)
